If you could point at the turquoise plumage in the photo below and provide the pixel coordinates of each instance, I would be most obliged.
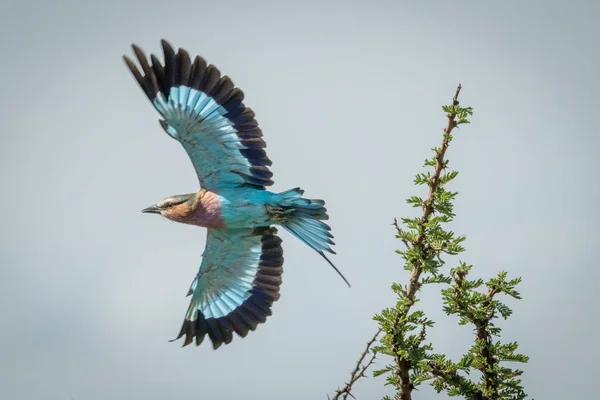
(240, 274)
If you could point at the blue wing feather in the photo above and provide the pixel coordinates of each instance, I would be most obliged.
(238, 281)
(206, 114)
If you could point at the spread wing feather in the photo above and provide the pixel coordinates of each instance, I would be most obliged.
(237, 283)
(205, 112)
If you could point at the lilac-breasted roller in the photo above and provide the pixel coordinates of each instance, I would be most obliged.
(240, 274)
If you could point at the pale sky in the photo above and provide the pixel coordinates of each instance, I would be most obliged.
(348, 97)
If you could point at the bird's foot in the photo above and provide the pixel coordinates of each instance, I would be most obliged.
(278, 214)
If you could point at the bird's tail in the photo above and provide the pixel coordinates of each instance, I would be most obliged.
(304, 219)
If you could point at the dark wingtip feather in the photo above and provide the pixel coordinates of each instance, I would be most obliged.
(134, 70)
(147, 81)
(155, 60)
(238, 325)
(165, 44)
(141, 56)
(170, 63)
(185, 67)
(226, 329)
(214, 333)
(212, 78)
(188, 340)
(183, 331)
(138, 76)
(197, 73)
(159, 73)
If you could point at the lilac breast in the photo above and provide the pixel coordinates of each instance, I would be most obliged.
(207, 212)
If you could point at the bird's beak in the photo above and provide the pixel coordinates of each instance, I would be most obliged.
(152, 210)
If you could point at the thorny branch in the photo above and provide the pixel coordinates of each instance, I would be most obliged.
(359, 371)
(482, 333)
(404, 366)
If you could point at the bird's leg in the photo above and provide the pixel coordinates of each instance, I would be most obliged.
(279, 214)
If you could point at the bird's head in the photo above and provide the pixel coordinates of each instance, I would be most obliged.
(175, 208)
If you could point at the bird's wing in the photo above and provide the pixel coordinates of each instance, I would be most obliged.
(205, 113)
(236, 285)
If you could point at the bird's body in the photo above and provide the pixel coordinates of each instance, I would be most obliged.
(240, 275)
(247, 207)
(229, 209)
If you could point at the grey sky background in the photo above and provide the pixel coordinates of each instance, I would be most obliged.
(348, 97)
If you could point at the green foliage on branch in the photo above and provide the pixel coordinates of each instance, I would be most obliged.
(475, 302)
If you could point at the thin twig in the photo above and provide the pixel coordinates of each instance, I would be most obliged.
(452, 378)
(359, 371)
(395, 223)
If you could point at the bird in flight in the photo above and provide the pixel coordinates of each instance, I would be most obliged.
(240, 274)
